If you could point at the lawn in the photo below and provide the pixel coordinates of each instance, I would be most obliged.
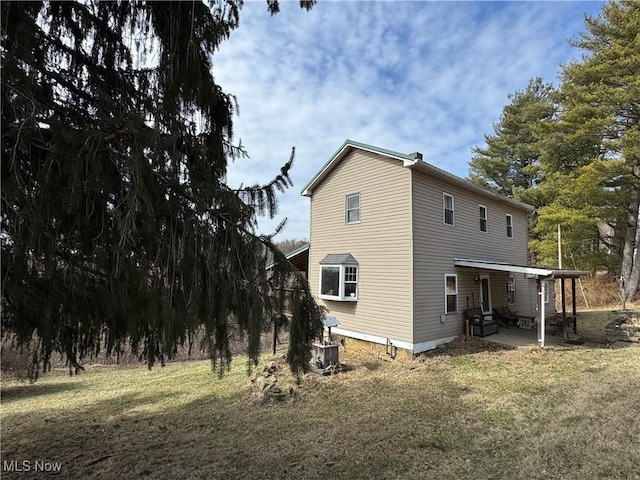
(565, 412)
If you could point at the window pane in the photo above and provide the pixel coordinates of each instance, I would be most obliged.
(353, 208)
(448, 209)
(451, 285)
(330, 281)
(448, 217)
(511, 291)
(353, 216)
(452, 303)
(350, 289)
(350, 281)
(483, 219)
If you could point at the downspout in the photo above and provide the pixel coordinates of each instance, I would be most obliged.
(417, 157)
(543, 289)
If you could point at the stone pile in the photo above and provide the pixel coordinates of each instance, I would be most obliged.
(267, 383)
(625, 328)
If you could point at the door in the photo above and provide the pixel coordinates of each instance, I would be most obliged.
(485, 294)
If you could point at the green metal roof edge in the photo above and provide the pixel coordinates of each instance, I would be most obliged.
(292, 253)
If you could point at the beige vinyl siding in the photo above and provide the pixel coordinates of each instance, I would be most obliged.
(381, 242)
(435, 245)
(526, 295)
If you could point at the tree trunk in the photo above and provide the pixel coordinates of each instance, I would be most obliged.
(630, 268)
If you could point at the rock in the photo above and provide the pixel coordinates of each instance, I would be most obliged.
(261, 383)
(273, 389)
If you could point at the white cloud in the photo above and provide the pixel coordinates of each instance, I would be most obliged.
(406, 76)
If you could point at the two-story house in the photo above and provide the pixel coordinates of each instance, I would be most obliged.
(399, 249)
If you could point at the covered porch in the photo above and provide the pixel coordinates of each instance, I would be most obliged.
(521, 337)
(545, 278)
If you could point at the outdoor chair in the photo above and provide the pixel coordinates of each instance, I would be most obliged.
(482, 324)
(505, 316)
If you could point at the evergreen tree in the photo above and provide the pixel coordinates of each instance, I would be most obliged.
(509, 163)
(592, 151)
(117, 225)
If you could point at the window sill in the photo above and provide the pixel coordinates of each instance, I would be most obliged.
(338, 299)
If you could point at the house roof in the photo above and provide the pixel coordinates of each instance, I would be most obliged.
(410, 161)
(342, 152)
(547, 273)
(339, 259)
(299, 258)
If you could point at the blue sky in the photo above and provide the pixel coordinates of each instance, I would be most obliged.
(407, 76)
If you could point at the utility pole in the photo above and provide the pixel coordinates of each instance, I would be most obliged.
(559, 248)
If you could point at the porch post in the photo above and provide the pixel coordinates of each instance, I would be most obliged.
(543, 289)
(573, 295)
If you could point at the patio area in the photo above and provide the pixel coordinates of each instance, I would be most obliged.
(521, 337)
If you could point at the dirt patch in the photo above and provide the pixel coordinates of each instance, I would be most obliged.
(463, 346)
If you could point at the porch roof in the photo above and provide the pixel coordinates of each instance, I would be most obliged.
(544, 273)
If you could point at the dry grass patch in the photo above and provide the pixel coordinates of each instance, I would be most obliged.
(494, 412)
(591, 324)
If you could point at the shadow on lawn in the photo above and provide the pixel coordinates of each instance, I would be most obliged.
(16, 392)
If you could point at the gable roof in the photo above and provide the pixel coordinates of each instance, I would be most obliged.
(410, 161)
(346, 147)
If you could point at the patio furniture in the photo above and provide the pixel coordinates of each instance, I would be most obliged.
(482, 324)
(505, 316)
(557, 322)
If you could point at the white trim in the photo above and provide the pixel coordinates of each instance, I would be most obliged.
(486, 218)
(412, 347)
(340, 297)
(431, 344)
(347, 210)
(506, 267)
(480, 295)
(509, 225)
(446, 294)
(453, 209)
(511, 281)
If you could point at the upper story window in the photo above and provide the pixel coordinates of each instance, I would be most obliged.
(511, 290)
(447, 208)
(352, 214)
(483, 218)
(509, 225)
(450, 293)
(339, 277)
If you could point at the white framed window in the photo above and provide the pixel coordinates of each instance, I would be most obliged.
(447, 209)
(352, 208)
(450, 293)
(511, 290)
(546, 292)
(509, 225)
(339, 280)
(350, 281)
(483, 218)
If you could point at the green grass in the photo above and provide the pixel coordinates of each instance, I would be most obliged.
(563, 412)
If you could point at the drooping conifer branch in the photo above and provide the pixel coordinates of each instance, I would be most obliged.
(117, 226)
